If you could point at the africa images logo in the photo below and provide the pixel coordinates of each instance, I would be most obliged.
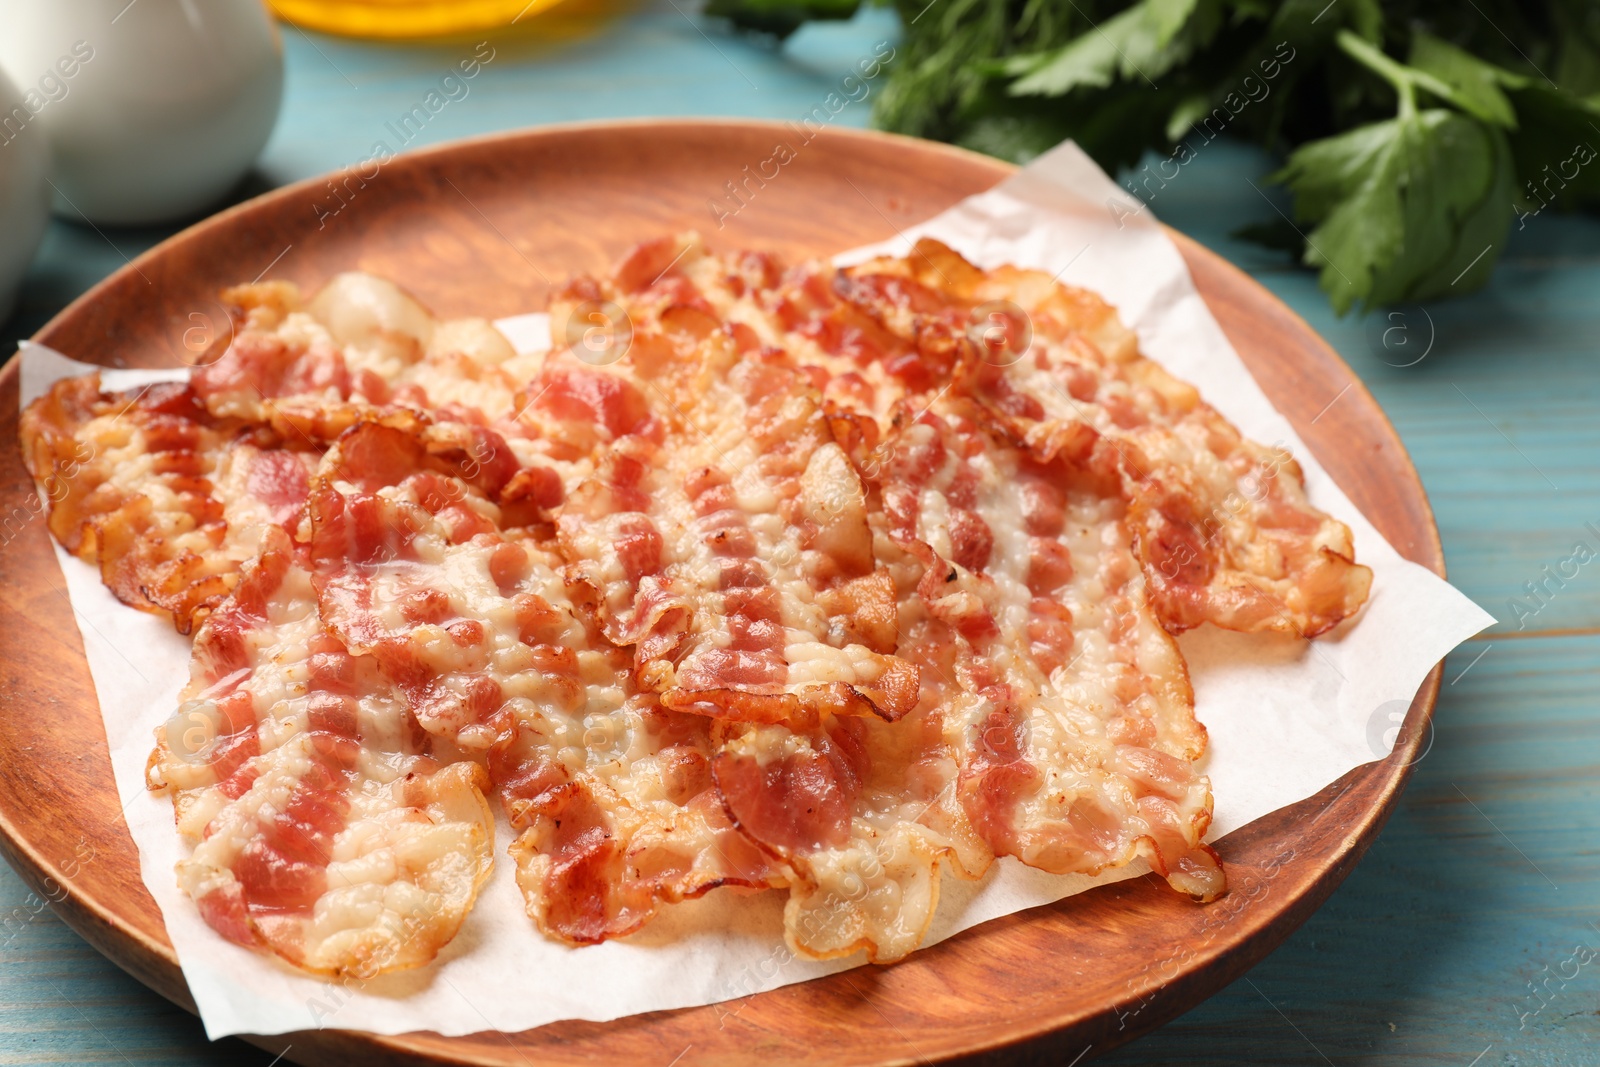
(1385, 727)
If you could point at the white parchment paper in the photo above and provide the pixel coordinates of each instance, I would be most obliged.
(1285, 718)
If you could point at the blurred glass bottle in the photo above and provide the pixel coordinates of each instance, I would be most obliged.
(406, 18)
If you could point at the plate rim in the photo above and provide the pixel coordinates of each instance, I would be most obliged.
(154, 962)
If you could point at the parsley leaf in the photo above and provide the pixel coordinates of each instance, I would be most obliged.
(1477, 87)
(1142, 42)
(1398, 205)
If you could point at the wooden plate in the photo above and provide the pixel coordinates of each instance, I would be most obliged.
(483, 228)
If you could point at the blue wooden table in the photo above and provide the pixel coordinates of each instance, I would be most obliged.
(1465, 936)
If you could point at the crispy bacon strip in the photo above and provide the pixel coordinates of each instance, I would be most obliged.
(707, 543)
(1068, 704)
(166, 499)
(1222, 525)
(633, 823)
(862, 811)
(360, 343)
(321, 832)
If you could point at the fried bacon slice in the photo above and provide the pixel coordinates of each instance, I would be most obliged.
(622, 822)
(744, 515)
(1066, 703)
(361, 342)
(166, 499)
(1222, 525)
(322, 831)
(810, 579)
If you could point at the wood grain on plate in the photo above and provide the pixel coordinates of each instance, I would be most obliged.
(486, 227)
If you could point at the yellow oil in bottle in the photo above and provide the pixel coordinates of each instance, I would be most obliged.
(406, 18)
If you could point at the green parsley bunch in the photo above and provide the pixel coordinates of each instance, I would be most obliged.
(1416, 133)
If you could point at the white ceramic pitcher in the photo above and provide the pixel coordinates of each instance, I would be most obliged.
(154, 109)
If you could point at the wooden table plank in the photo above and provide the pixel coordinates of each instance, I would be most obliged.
(62, 1002)
(1440, 928)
